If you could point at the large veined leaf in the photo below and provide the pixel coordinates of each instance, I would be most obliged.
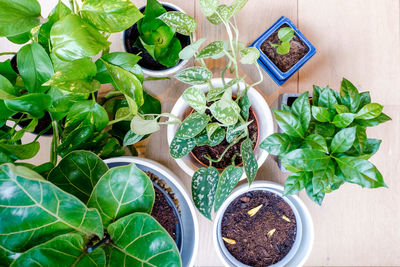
(139, 240)
(77, 173)
(87, 112)
(18, 16)
(317, 142)
(35, 67)
(228, 180)
(122, 191)
(369, 111)
(110, 15)
(34, 104)
(72, 39)
(25, 151)
(36, 210)
(327, 99)
(68, 249)
(204, 185)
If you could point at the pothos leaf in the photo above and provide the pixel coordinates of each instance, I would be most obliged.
(190, 50)
(70, 249)
(228, 180)
(77, 173)
(131, 237)
(180, 22)
(181, 147)
(204, 185)
(249, 160)
(249, 55)
(194, 75)
(214, 50)
(122, 191)
(208, 7)
(48, 211)
(192, 125)
(226, 110)
(195, 98)
(34, 104)
(87, 112)
(142, 126)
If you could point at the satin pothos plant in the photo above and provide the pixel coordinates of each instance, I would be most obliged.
(55, 74)
(81, 215)
(324, 144)
(218, 117)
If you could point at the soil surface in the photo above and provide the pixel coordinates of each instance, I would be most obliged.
(147, 61)
(298, 49)
(257, 243)
(43, 123)
(216, 151)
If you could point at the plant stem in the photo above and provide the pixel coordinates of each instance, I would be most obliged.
(72, 5)
(98, 244)
(54, 143)
(118, 120)
(7, 53)
(42, 132)
(237, 139)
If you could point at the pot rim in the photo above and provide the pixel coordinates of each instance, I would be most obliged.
(188, 164)
(304, 241)
(173, 179)
(168, 71)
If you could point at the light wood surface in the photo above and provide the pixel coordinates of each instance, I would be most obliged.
(356, 39)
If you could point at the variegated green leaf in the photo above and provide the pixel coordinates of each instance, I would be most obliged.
(249, 160)
(249, 55)
(214, 50)
(195, 98)
(228, 180)
(142, 126)
(226, 110)
(208, 7)
(192, 125)
(190, 50)
(181, 22)
(204, 185)
(181, 147)
(211, 128)
(194, 75)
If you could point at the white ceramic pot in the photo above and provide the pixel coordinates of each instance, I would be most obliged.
(302, 246)
(166, 72)
(190, 225)
(261, 111)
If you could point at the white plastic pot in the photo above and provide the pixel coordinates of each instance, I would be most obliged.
(190, 225)
(261, 110)
(166, 72)
(302, 246)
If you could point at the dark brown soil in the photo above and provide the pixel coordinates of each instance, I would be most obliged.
(254, 246)
(298, 49)
(216, 151)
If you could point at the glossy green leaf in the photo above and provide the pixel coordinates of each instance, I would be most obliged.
(7, 90)
(374, 122)
(361, 138)
(142, 126)
(289, 123)
(245, 104)
(131, 138)
(325, 129)
(228, 180)
(321, 114)
(226, 110)
(139, 240)
(34, 104)
(204, 186)
(47, 210)
(295, 183)
(343, 140)
(365, 98)
(78, 82)
(321, 179)
(190, 50)
(249, 160)
(62, 101)
(110, 15)
(76, 139)
(192, 125)
(181, 147)
(249, 55)
(361, 172)
(180, 22)
(25, 151)
(195, 98)
(217, 137)
(77, 173)
(17, 17)
(208, 7)
(194, 75)
(214, 50)
(285, 34)
(301, 108)
(87, 112)
(369, 111)
(306, 159)
(283, 48)
(70, 249)
(278, 143)
(7, 71)
(341, 109)
(371, 146)
(343, 119)
(223, 13)
(122, 191)
(317, 142)
(317, 198)
(72, 39)
(327, 99)
(349, 95)
(35, 67)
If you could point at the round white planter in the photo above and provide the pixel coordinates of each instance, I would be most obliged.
(259, 106)
(302, 246)
(190, 225)
(166, 72)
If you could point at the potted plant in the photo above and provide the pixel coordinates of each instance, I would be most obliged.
(95, 216)
(284, 50)
(159, 37)
(324, 144)
(258, 226)
(222, 119)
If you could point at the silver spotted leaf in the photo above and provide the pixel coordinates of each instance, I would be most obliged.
(194, 75)
(195, 98)
(204, 185)
(139, 240)
(192, 125)
(181, 147)
(228, 180)
(213, 50)
(122, 191)
(249, 160)
(180, 22)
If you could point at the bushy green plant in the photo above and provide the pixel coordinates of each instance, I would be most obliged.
(81, 215)
(324, 144)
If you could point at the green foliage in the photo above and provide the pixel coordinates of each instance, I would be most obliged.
(57, 226)
(285, 35)
(325, 144)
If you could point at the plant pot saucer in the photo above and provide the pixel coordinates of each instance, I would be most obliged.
(260, 107)
(302, 246)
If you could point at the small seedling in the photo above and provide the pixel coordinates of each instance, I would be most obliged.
(270, 233)
(286, 218)
(229, 241)
(253, 211)
(285, 35)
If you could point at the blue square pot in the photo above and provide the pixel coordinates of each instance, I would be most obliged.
(276, 74)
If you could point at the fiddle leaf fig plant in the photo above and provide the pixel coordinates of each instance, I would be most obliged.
(83, 221)
(158, 30)
(221, 116)
(324, 144)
